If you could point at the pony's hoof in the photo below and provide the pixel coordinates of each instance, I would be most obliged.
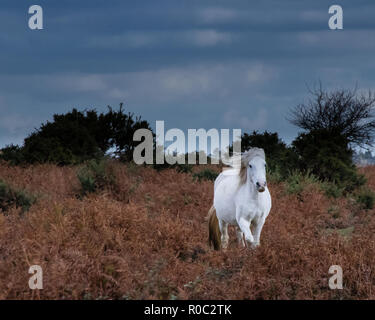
(254, 245)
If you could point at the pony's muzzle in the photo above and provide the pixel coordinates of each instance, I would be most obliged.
(261, 187)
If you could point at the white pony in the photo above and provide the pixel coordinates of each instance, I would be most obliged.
(241, 198)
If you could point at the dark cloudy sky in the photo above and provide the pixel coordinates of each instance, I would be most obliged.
(193, 63)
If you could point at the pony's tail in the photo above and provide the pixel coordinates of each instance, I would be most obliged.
(214, 234)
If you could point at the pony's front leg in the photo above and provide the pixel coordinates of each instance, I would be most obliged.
(239, 232)
(223, 226)
(245, 228)
(258, 226)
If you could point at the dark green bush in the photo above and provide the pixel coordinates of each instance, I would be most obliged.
(331, 189)
(163, 166)
(69, 139)
(298, 181)
(327, 155)
(275, 176)
(76, 137)
(12, 154)
(184, 168)
(365, 198)
(206, 174)
(294, 183)
(12, 197)
(87, 180)
(94, 175)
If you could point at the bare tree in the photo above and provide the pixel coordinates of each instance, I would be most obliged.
(342, 111)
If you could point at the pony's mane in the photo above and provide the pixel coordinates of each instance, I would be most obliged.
(238, 160)
(251, 154)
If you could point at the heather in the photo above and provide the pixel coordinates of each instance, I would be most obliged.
(142, 234)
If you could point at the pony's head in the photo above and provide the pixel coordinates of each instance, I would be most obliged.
(253, 168)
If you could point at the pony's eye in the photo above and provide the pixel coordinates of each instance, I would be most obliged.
(250, 166)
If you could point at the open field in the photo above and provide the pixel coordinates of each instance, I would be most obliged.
(144, 236)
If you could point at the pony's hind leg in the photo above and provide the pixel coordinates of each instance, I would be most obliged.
(224, 233)
(240, 240)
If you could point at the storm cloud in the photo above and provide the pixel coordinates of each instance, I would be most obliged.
(195, 64)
